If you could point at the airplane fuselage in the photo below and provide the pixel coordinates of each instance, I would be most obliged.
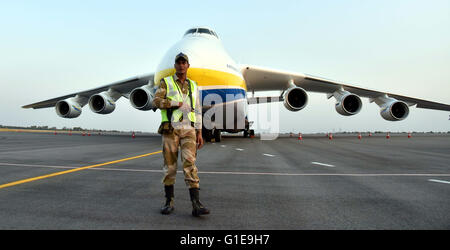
(220, 82)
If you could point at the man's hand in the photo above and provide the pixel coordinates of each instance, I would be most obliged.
(199, 139)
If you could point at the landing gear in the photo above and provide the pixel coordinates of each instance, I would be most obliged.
(248, 131)
(217, 135)
(208, 135)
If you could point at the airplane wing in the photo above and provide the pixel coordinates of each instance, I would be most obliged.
(123, 87)
(264, 79)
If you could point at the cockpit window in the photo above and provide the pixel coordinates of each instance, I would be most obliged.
(201, 31)
(190, 31)
(214, 33)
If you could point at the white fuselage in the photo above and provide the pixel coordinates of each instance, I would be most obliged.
(219, 79)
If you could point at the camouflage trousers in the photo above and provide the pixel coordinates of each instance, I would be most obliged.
(185, 140)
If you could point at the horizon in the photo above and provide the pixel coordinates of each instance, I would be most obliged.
(52, 128)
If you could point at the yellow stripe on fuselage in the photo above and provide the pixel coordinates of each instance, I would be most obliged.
(206, 77)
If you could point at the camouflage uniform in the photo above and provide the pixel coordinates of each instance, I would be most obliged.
(180, 134)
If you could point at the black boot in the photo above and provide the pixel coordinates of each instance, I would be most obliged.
(168, 207)
(197, 207)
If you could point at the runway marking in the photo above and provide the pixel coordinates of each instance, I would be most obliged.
(439, 181)
(239, 149)
(269, 155)
(223, 146)
(323, 164)
(316, 174)
(236, 173)
(31, 165)
(74, 170)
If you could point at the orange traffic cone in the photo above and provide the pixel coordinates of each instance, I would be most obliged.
(388, 135)
(133, 135)
(359, 136)
(330, 136)
(300, 136)
(409, 135)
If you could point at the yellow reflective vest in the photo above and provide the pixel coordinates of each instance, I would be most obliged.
(174, 94)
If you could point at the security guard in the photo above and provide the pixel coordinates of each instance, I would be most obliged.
(181, 126)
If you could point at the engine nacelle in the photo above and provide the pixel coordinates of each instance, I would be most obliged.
(141, 98)
(68, 108)
(102, 103)
(295, 99)
(392, 109)
(347, 103)
(395, 111)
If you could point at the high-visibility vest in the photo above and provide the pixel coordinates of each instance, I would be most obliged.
(174, 94)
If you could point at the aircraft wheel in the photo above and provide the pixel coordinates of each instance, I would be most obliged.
(217, 135)
(207, 135)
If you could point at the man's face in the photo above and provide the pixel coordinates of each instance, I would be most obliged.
(181, 66)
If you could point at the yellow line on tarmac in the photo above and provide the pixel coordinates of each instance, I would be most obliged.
(74, 170)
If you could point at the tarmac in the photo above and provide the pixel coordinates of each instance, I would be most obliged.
(66, 181)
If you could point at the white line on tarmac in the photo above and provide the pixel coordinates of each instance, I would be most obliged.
(67, 167)
(269, 155)
(316, 174)
(240, 149)
(439, 181)
(234, 173)
(323, 164)
(223, 146)
(31, 165)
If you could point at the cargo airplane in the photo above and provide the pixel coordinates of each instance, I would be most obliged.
(224, 88)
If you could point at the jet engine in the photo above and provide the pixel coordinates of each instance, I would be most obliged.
(392, 109)
(295, 99)
(102, 103)
(68, 108)
(395, 111)
(347, 103)
(141, 98)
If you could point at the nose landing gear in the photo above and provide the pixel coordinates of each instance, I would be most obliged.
(209, 134)
(249, 132)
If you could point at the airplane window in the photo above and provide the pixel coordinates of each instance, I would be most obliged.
(201, 30)
(190, 31)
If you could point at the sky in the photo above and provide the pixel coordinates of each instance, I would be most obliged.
(52, 48)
